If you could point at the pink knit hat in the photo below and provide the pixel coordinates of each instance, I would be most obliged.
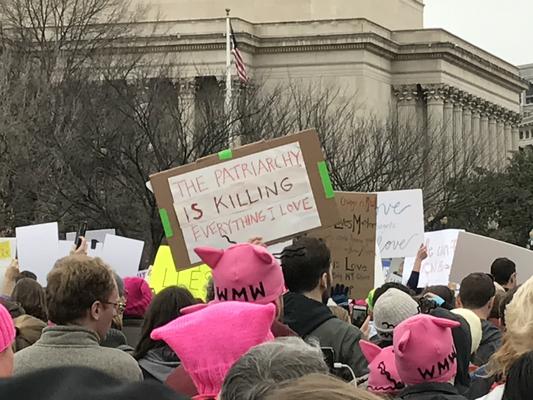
(244, 272)
(138, 296)
(424, 349)
(383, 377)
(210, 340)
(7, 329)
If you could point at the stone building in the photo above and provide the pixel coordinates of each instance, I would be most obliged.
(526, 126)
(376, 50)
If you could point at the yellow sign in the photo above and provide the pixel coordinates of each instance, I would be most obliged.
(163, 274)
(5, 250)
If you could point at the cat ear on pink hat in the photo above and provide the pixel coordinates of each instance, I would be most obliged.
(424, 350)
(244, 272)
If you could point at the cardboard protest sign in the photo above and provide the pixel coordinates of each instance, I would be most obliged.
(122, 254)
(475, 253)
(352, 242)
(273, 189)
(400, 223)
(38, 248)
(164, 274)
(436, 268)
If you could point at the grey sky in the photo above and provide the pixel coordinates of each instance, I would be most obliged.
(503, 28)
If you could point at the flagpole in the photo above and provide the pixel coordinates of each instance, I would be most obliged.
(228, 62)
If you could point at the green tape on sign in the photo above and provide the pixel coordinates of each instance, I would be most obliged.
(166, 223)
(225, 155)
(326, 181)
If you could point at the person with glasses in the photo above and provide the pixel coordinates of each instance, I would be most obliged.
(82, 299)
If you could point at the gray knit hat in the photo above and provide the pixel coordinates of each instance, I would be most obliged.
(393, 307)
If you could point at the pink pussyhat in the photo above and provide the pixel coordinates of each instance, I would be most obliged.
(138, 296)
(424, 349)
(7, 329)
(383, 376)
(244, 272)
(210, 340)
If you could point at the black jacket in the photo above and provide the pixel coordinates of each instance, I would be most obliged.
(431, 391)
(310, 318)
(462, 339)
(491, 340)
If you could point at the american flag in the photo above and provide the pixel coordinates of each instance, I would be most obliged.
(239, 63)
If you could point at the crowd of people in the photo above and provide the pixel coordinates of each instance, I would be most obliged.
(270, 329)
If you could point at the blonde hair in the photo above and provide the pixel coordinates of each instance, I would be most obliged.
(319, 387)
(518, 338)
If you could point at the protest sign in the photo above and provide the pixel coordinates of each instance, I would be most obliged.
(97, 234)
(475, 253)
(400, 223)
(352, 242)
(122, 254)
(8, 251)
(64, 248)
(435, 269)
(37, 248)
(164, 274)
(273, 189)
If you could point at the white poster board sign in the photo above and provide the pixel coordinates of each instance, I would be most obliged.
(266, 194)
(122, 254)
(64, 248)
(436, 268)
(38, 248)
(400, 223)
(97, 234)
(476, 253)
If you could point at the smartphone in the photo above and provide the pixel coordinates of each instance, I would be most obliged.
(82, 229)
(329, 356)
(359, 314)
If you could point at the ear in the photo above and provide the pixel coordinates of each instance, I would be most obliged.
(402, 343)
(262, 254)
(370, 350)
(458, 302)
(445, 323)
(491, 302)
(209, 255)
(96, 310)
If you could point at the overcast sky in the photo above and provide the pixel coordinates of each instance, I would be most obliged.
(503, 28)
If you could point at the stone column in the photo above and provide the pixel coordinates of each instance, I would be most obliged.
(407, 96)
(476, 134)
(458, 144)
(447, 137)
(500, 150)
(467, 133)
(491, 147)
(514, 134)
(484, 139)
(508, 140)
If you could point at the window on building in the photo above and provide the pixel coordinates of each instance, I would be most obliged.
(529, 94)
(521, 135)
(527, 134)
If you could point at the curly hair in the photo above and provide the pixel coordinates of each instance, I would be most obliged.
(74, 284)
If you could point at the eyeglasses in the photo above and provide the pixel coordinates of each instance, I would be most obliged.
(120, 307)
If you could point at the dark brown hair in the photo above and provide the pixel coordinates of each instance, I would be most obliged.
(74, 284)
(30, 295)
(165, 307)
